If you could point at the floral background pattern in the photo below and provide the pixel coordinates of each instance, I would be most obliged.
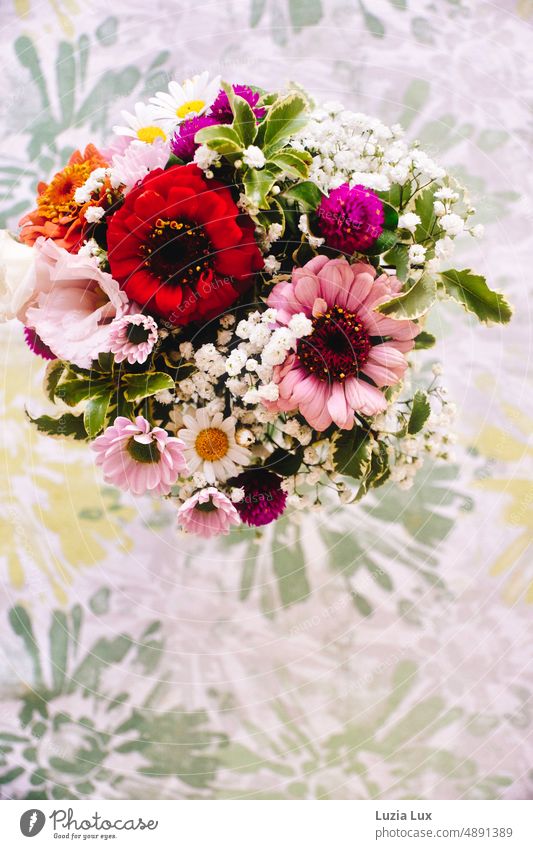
(377, 651)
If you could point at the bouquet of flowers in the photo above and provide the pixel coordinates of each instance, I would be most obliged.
(229, 296)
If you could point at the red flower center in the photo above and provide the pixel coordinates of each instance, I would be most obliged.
(338, 346)
(177, 252)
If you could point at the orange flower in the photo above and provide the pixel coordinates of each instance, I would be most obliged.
(57, 215)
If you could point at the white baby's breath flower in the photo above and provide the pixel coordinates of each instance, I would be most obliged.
(478, 231)
(452, 224)
(300, 325)
(417, 254)
(94, 214)
(444, 248)
(254, 157)
(204, 157)
(409, 221)
(272, 265)
(439, 208)
(446, 194)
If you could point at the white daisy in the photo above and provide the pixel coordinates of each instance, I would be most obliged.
(144, 126)
(187, 100)
(210, 446)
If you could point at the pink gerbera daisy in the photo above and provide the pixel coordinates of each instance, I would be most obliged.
(208, 513)
(139, 458)
(353, 350)
(132, 338)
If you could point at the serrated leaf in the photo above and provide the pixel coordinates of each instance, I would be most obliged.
(53, 374)
(420, 412)
(95, 413)
(307, 195)
(286, 117)
(424, 340)
(139, 386)
(244, 122)
(472, 291)
(294, 163)
(413, 303)
(221, 138)
(76, 389)
(258, 184)
(352, 452)
(66, 425)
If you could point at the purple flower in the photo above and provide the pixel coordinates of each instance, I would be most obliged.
(183, 145)
(221, 109)
(36, 344)
(351, 219)
(264, 499)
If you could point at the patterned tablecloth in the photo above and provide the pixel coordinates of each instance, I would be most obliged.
(377, 651)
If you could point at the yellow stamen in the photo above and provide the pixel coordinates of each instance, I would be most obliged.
(211, 444)
(190, 106)
(150, 134)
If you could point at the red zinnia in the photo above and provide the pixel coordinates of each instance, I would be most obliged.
(180, 246)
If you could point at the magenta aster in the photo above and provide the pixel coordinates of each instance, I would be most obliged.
(353, 350)
(221, 109)
(183, 145)
(264, 499)
(136, 457)
(36, 344)
(132, 338)
(351, 219)
(208, 513)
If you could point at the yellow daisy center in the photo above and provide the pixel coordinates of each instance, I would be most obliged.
(190, 106)
(150, 134)
(211, 444)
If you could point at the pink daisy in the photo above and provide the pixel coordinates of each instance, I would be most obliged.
(132, 338)
(139, 458)
(208, 513)
(352, 352)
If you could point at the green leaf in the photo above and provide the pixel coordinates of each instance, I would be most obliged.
(420, 412)
(95, 412)
(398, 256)
(294, 163)
(76, 389)
(285, 462)
(424, 209)
(221, 138)
(385, 241)
(59, 636)
(53, 374)
(289, 567)
(413, 303)
(352, 452)
(244, 122)
(21, 625)
(258, 183)
(472, 292)
(304, 13)
(139, 386)
(256, 13)
(66, 425)
(307, 195)
(66, 81)
(285, 118)
(424, 340)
